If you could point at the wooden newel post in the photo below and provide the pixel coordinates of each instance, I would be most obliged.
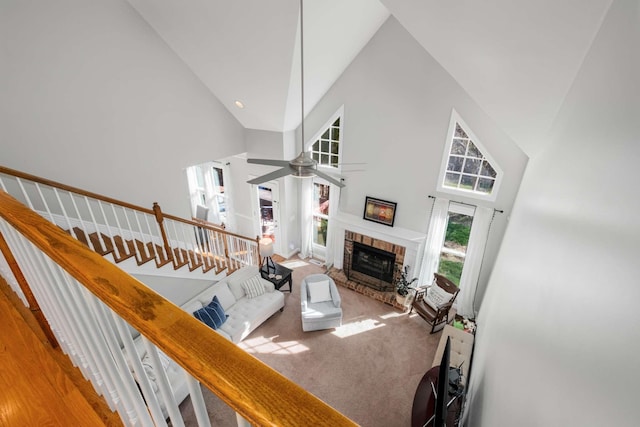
(258, 249)
(160, 219)
(26, 290)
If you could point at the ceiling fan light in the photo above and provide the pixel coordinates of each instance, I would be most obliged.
(303, 173)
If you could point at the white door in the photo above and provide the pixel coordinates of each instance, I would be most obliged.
(321, 198)
(267, 212)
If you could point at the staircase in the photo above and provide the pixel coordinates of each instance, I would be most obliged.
(133, 236)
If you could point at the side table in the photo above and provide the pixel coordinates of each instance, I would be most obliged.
(424, 402)
(279, 278)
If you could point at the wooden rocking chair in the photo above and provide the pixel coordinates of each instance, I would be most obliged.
(439, 316)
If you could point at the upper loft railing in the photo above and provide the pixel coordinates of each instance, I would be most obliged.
(92, 306)
(129, 232)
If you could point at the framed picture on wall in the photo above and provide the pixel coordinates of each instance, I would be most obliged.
(380, 211)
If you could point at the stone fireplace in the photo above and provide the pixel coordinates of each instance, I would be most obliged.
(372, 262)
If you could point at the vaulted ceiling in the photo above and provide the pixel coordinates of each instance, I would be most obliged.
(517, 59)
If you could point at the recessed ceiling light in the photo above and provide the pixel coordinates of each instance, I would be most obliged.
(239, 104)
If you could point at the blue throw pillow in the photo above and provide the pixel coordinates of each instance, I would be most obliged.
(212, 315)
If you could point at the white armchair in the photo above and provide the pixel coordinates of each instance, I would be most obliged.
(320, 303)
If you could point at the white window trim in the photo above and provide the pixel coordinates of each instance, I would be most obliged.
(309, 143)
(455, 118)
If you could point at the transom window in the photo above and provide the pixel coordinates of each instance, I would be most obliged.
(466, 165)
(326, 149)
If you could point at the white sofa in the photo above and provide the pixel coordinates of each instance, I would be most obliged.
(245, 315)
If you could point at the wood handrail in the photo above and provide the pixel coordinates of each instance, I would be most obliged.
(204, 225)
(65, 187)
(258, 393)
(16, 173)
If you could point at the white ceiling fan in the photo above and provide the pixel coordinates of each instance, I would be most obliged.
(303, 165)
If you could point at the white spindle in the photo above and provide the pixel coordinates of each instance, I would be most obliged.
(146, 250)
(170, 229)
(40, 278)
(199, 407)
(116, 250)
(82, 222)
(64, 213)
(120, 231)
(143, 381)
(135, 408)
(17, 244)
(152, 236)
(163, 384)
(25, 194)
(80, 324)
(241, 421)
(95, 223)
(190, 237)
(44, 202)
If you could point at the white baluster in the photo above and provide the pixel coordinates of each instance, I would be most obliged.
(136, 410)
(116, 250)
(163, 384)
(95, 223)
(64, 212)
(199, 407)
(141, 375)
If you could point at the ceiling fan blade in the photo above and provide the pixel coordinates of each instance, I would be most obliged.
(270, 176)
(329, 178)
(269, 162)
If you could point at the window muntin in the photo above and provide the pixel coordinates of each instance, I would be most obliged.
(467, 167)
(326, 149)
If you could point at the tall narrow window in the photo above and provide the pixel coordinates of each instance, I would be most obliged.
(320, 213)
(325, 148)
(200, 190)
(219, 196)
(467, 167)
(454, 248)
(267, 223)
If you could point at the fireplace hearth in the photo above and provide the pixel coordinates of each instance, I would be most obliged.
(372, 262)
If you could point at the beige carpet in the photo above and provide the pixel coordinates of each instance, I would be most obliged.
(368, 369)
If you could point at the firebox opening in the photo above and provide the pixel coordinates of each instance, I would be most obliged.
(373, 262)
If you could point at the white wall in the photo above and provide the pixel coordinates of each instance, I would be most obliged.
(280, 146)
(82, 87)
(397, 106)
(92, 97)
(559, 331)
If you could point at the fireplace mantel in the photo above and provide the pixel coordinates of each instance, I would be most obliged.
(412, 241)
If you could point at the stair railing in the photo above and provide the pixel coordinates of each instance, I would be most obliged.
(126, 231)
(93, 306)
